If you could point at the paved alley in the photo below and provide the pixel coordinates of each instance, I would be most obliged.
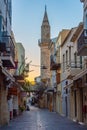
(39, 119)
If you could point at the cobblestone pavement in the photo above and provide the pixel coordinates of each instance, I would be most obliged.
(39, 119)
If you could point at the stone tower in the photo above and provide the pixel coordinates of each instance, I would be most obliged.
(44, 47)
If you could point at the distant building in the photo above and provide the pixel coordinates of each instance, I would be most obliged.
(60, 39)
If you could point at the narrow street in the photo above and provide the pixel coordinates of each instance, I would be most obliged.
(41, 119)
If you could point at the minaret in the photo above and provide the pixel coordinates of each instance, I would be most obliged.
(84, 13)
(44, 44)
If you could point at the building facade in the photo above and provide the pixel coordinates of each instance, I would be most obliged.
(80, 79)
(72, 65)
(7, 57)
(52, 90)
(60, 39)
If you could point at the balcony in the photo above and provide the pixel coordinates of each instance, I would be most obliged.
(20, 79)
(43, 42)
(53, 64)
(73, 69)
(7, 51)
(82, 44)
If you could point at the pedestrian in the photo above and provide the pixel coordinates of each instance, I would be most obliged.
(10, 107)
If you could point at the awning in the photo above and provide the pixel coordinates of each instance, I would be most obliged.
(19, 78)
(80, 74)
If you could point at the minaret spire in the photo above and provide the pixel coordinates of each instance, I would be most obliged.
(45, 19)
(45, 28)
(45, 8)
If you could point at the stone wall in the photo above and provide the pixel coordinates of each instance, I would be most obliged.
(4, 115)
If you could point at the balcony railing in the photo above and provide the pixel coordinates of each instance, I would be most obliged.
(7, 51)
(74, 65)
(82, 43)
(41, 41)
(73, 68)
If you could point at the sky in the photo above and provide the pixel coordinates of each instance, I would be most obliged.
(27, 16)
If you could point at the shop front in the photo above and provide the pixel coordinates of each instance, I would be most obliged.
(80, 97)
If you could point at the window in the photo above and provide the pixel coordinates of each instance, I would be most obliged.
(66, 58)
(75, 59)
(81, 62)
(63, 62)
(75, 103)
(66, 90)
(70, 55)
(86, 23)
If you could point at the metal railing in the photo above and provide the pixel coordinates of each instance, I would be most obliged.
(40, 41)
(82, 41)
(72, 65)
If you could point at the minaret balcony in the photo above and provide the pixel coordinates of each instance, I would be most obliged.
(7, 51)
(82, 44)
(43, 42)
